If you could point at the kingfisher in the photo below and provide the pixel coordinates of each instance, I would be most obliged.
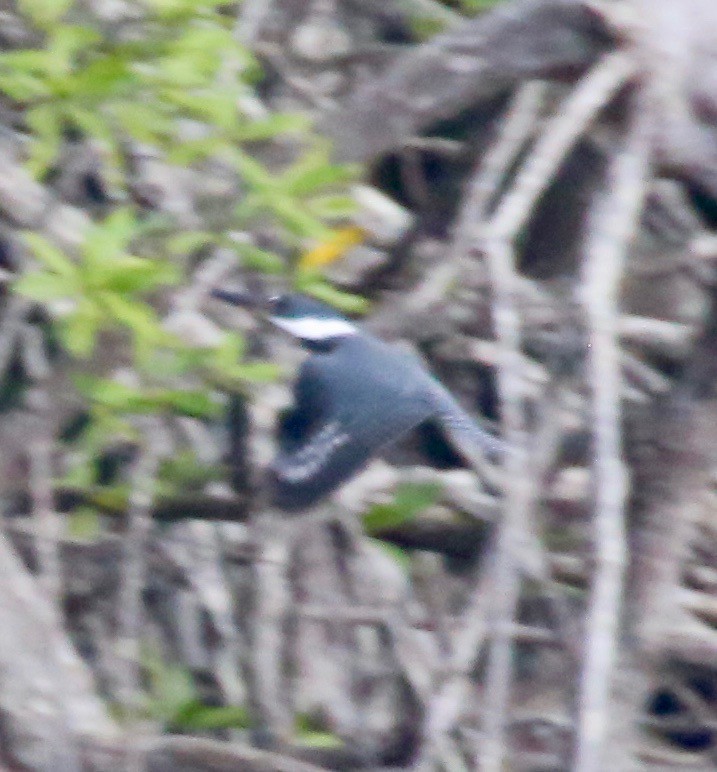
(355, 394)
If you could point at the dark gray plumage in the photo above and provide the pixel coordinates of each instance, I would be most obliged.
(354, 395)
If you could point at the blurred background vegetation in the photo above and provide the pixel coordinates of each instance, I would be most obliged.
(155, 615)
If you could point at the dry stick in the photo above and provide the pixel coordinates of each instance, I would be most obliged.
(573, 117)
(11, 327)
(48, 700)
(592, 94)
(46, 519)
(615, 222)
(446, 702)
(517, 127)
(580, 108)
(208, 755)
(519, 491)
(266, 682)
(347, 555)
(40, 456)
(133, 572)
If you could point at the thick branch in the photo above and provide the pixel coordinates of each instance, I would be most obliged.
(484, 57)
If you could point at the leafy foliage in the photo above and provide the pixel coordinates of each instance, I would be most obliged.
(173, 700)
(102, 286)
(176, 80)
(183, 85)
(409, 501)
(471, 7)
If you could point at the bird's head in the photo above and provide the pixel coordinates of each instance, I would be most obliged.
(312, 322)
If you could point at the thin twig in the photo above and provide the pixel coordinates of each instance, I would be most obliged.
(133, 571)
(265, 628)
(616, 219)
(11, 327)
(445, 704)
(572, 118)
(140, 503)
(47, 521)
(516, 129)
(517, 495)
(560, 134)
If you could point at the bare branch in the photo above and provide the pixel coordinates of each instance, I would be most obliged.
(592, 94)
(481, 58)
(139, 512)
(614, 224)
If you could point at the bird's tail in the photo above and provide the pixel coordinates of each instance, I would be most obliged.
(466, 435)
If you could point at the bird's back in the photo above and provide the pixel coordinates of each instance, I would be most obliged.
(349, 403)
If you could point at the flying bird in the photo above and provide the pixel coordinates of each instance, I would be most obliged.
(354, 395)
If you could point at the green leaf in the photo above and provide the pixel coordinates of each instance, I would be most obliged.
(332, 207)
(107, 392)
(399, 555)
(48, 254)
(188, 152)
(426, 27)
(35, 61)
(44, 12)
(260, 259)
(67, 40)
(143, 121)
(311, 283)
(45, 286)
(251, 171)
(313, 172)
(78, 331)
(314, 739)
(250, 207)
(186, 471)
(195, 58)
(189, 242)
(128, 273)
(168, 8)
(268, 128)
(80, 475)
(257, 372)
(109, 239)
(108, 75)
(230, 351)
(409, 500)
(119, 397)
(197, 404)
(217, 108)
(84, 524)
(296, 218)
(196, 717)
(172, 688)
(472, 7)
(22, 87)
(311, 733)
(136, 315)
(46, 124)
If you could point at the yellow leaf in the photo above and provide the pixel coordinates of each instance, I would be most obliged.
(333, 248)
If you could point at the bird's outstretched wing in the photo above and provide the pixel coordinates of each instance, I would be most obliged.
(342, 417)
